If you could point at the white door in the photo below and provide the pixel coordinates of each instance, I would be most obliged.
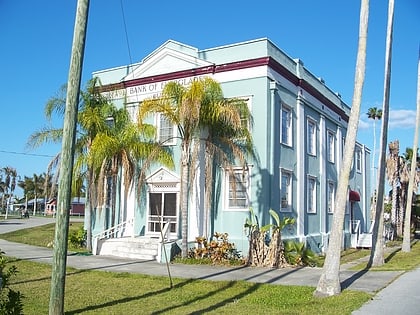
(162, 209)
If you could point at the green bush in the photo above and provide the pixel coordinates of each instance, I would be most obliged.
(10, 300)
(77, 238)
(297, 254)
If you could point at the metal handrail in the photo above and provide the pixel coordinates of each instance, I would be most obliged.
(112, 231)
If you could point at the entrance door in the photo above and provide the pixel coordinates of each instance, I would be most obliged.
(162, 209)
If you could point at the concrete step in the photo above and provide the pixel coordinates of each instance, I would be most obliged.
(144, 248)
(365, 240)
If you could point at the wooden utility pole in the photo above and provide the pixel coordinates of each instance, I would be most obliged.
(58, 276)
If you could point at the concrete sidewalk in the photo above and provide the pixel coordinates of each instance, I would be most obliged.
(368, 281)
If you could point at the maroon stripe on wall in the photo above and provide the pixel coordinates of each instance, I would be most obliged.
(244, 64)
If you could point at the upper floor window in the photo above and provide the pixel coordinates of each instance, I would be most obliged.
(286, 125)
(311, 195)
(286, 191)
(311, 137)
(166, 131)
(237, 182)
(358, 160)
(331, 146)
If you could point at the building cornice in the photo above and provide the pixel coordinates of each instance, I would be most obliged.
(238, 65)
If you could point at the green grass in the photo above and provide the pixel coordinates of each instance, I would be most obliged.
(100, 292)
(40, 236)
(396, 260)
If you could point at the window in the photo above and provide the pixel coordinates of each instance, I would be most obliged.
(286, 191)
(331, 197)
(311, 195)
(238, 185)
(311, 137)
(166, 131)
(286, 126)
(358, 160)
(331, 146)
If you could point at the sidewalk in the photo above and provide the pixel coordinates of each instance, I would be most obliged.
(368, 281)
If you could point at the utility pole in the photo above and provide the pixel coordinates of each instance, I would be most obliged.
(58, 276)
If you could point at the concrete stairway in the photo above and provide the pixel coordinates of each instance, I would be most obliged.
(129, 247)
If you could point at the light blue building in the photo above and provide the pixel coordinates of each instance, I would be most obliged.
(299, 130)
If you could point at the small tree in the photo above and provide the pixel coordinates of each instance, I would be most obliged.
(266, 250)
(10, 300)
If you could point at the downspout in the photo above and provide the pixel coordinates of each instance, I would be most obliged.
(271, 139)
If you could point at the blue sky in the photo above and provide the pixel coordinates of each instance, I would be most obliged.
(36, 39)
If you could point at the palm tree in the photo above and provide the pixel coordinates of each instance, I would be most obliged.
(9, 185)
(392, 171)
(329, 282)
(94, 109)
(375, 114)
(194, 110)
(228, 141)
(377, 252)
(120, 149)
(414, 171)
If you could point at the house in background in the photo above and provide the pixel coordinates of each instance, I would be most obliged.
(77, 206)
(299, 132)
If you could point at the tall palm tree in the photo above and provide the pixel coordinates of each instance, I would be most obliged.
(120, 149)
(414, 170)
(377, 252)
(392, 172)
(329, 282)
(228, 141)
(94, 109)
(9, 185)
(375, 114)
(192, 109)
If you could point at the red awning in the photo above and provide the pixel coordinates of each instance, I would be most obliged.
(354, 196)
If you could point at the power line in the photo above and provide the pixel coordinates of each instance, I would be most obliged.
(28, 154)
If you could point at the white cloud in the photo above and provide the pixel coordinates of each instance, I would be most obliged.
(402, 118)
(398, 119)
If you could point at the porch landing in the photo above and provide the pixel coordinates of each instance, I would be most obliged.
(140, 247)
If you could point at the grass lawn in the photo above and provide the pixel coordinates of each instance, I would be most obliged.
(100, 292)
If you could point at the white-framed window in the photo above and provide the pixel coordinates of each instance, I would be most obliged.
(311, 136)
(331, 146)
(286, 125)
(330, 196)
(311, 194)
(237, 189)
(358, 160)
(166, 131)
(286, 191)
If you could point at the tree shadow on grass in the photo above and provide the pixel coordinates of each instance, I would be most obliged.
(227, 300)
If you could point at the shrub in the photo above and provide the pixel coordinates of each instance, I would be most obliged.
(77, 238)
(10, 300)
(218, 250)
(296, 253)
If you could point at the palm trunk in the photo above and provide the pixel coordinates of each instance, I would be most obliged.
(184, 197)
(329, 282)
(407, 221)
(377, 253)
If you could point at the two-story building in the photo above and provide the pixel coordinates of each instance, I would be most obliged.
(299, 131)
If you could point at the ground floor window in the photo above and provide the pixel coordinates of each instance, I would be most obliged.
(237, 182)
